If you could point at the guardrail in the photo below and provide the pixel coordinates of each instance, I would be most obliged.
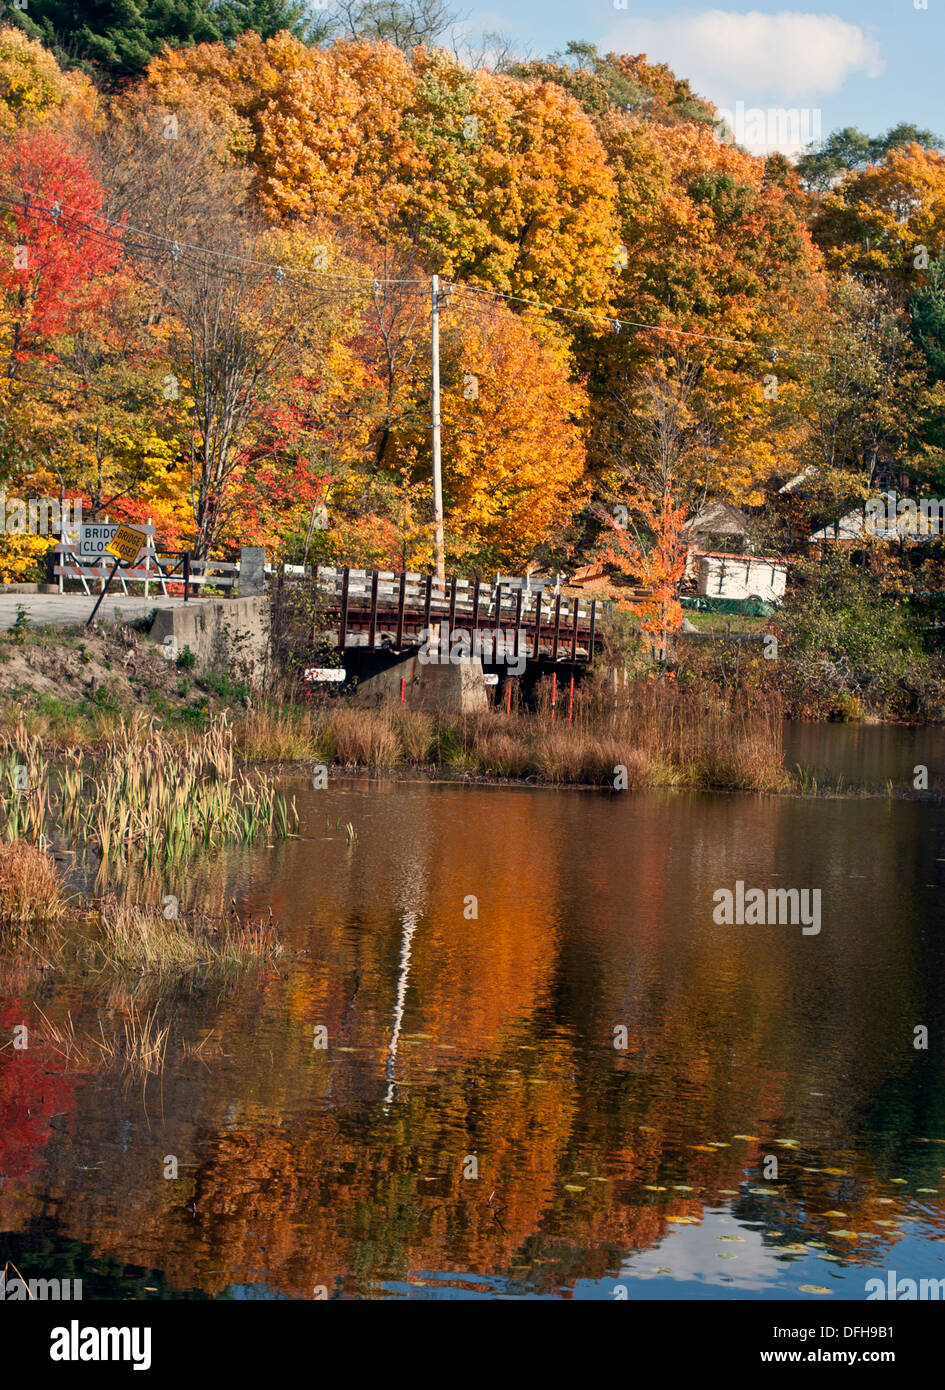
(152, 568)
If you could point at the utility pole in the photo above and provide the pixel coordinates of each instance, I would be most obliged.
(437, 456)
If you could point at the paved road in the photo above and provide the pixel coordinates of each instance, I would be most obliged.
(69, 610)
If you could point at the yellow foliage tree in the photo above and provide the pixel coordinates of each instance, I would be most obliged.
(33, 88)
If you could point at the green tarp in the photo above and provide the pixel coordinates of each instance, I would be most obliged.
(752, 607)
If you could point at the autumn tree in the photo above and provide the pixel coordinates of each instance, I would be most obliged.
(862, 389)
(245, 321)
(712, 260)
(886, 220)
(656, 444)
(849, 150)
(613, 81)
(513, 455)
(489, 179)
(33, 88)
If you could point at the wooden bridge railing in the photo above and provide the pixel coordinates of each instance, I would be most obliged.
(375, 608)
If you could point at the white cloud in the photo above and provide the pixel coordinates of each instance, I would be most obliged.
(790, 56)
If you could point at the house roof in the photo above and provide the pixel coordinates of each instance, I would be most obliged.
(718, 519)
(853, 526)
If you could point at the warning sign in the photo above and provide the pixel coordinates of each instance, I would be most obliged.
(127, 544)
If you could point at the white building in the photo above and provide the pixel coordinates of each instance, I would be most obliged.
(740, 576)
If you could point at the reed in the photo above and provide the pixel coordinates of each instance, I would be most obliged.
(31, 891)
(146, 796)
(140, 1045)
(138, 939)
(657, 734)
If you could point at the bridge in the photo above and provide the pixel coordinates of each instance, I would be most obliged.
(380, 610)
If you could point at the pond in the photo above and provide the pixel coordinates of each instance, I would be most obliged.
(512, 1053)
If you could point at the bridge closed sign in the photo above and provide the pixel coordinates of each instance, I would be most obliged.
(127, 544)
(93, 540)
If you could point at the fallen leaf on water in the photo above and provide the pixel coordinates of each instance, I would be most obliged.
(788, 1143)
(703, 1148)
(740, 1239)
(749, 1138)
(664, 1270)
(836, 1172)
(728, 1192)
(684, 1220)
(648, 1187)
(763, 1191)
(680, 1187)
(841, 1214)
(814, 1288)
(884, 1201)
(570, 1187)
(926, 1189)
(880, 1222)
(726, 1255)
(843, 1235)
(795, 1249)
(897, 1179)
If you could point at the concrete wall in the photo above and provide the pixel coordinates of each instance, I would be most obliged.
(457, 688)
(223, 634)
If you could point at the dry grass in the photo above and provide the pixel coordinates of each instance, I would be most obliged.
(275, 734)
(140, 1046)
(656, 734)
(171, 793)
(31, 891)
(139, 940)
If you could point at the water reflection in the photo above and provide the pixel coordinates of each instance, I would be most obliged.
(769, 1125)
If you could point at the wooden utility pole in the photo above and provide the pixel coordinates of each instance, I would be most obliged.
(437, 456)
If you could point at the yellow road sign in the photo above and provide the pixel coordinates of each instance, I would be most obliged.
(126, 544)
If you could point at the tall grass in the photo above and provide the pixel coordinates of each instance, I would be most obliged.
(657, 734)
(170, 794)
(139, 940)
(146, 796)
(30, 888)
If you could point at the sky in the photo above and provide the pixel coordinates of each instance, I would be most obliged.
(868, 63)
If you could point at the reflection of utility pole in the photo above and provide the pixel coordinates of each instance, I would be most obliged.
(411, 898)
(403, 975)
(437, 458)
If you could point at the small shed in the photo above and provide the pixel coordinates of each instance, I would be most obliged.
(740, 576)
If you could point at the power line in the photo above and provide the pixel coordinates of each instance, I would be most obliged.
(618, 323)
(176, 250)
(59, 216)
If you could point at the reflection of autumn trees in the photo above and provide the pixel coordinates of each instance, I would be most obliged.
(31, 1097)
(302, 1174)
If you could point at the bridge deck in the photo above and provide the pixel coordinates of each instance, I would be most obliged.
(383, 610)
